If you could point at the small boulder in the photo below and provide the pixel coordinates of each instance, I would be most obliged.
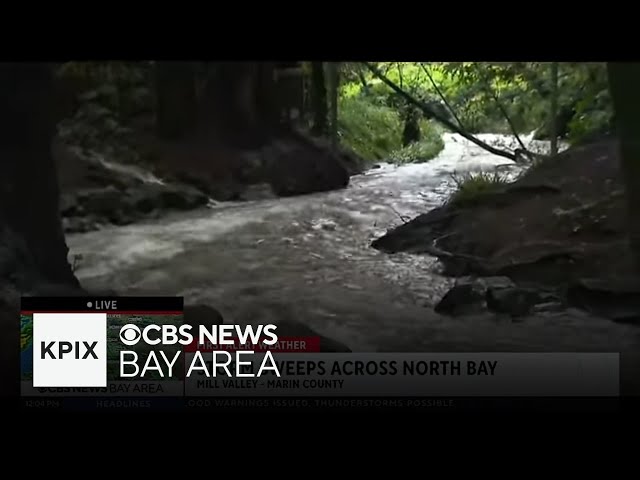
(512, 300)
(297, 169)
(258, 191)
(182, 197)
(100, 201)
(150, 197)
(468, 295)
(463, 299)
(497, 294)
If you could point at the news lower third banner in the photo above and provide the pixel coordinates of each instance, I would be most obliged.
(135, 348)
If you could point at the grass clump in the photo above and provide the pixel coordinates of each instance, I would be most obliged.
(430, 145)
(472, 187)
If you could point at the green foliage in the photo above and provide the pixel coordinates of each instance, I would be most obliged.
(471, 187)
(593, 112)
(427, 148)
(481, 93)
(374, 131)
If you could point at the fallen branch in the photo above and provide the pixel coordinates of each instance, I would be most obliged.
(429, 113)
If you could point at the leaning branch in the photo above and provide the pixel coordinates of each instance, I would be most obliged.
(429, 113)
(441, 95)
(503, 110)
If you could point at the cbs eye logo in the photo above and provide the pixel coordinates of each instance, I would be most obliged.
(130, 334)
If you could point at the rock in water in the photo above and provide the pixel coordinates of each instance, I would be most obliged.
(468, 295)
(296, 169)
(100, 201)
(464, 298)
(182, 197)
(171, 197)
(497, 294)
(513, 301)
(259, 191)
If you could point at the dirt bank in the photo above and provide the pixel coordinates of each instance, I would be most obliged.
(562, 224)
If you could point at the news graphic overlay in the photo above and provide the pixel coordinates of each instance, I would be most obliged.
(143, 352)
(412, 376)
(79, 347)
(240, 360)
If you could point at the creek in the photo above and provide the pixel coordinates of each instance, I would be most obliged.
(308, 259)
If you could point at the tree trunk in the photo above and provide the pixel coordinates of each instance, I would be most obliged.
(624, 79)
(175, 99)
(334, 81)
(318, 98)
(29, 194)
(229, 107)
(411, 132)
(289, 92)
(553, 110)
(266, 102)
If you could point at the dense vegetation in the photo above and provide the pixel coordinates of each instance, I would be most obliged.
(373, 120)
(479, 97)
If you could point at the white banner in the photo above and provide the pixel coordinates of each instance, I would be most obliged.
(416, 374)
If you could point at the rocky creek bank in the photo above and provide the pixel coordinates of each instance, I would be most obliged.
(553, 239)
(98, 189)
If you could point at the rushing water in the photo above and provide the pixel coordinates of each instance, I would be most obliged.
(308, 259)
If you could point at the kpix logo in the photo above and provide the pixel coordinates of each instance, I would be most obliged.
(69, 350)
(66, 348)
